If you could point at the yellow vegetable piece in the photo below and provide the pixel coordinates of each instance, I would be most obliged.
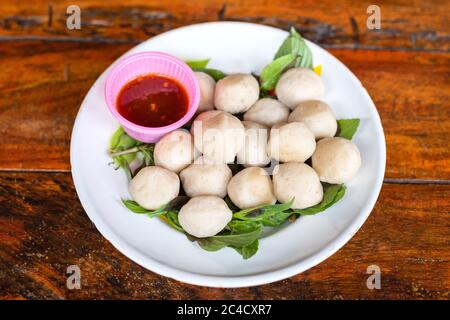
(318, 69)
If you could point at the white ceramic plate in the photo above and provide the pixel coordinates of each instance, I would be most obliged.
(232, 47)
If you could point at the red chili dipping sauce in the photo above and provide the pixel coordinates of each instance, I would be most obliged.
(153, 101)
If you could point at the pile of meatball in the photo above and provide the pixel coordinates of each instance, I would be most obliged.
(288, 130)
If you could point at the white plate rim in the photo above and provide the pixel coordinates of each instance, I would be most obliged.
(233, 281)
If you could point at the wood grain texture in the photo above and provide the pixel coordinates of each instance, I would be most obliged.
(409, 92)
(43, 230)
(417, 24)
(47, 70)
(42, 86)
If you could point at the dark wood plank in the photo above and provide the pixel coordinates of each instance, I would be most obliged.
(43, 229)
(417, 24)
(43, 84)
(409, 92)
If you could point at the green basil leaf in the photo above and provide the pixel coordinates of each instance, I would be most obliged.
(115, 138)
(127, 142)
(261, 213)
(167, 215)
(243, 226)
(291, 44)
(122, 162)
(347, 128)
(136, 208)
(275, 215)
(220, 241)
(214, 73)
(271, 73)
(242, 214)
(248, 251)
(121, 141)
(304, 58)
(239, 239)
(124, 149)
(332, 194)
(200, 66)
(295, 44)
(197, 64)
(129, 157)
(210, 244)
(157, 212)
(277, 219)
(339, 195)
(147, 154)
(274, 208)
(171, 218)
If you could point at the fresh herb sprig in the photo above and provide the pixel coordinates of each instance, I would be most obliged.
(268, 215)
(293, 52)
(347, 128)
(123, 150)
(272, 72)
(201, 65)
(295, 44)
(332, 193)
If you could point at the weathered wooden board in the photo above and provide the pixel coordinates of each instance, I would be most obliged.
(47, 70)
(43, 230)
(417, 24)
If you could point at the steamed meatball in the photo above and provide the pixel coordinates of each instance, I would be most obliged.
(253, 153)
(197, 123)
(336, 160)
(207, 85)
(154, 186)
(218, 135)
(291, 142)
(175, 151)
(204, 178)
(205, 115)
(318, 116)
(204, 216)
(297, 85)
(251, 187)
(268, 112)
(297, 181)
(236, 93)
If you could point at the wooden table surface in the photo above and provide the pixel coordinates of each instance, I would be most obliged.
(47, 69)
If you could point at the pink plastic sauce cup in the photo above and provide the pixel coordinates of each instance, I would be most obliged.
(142, 64)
